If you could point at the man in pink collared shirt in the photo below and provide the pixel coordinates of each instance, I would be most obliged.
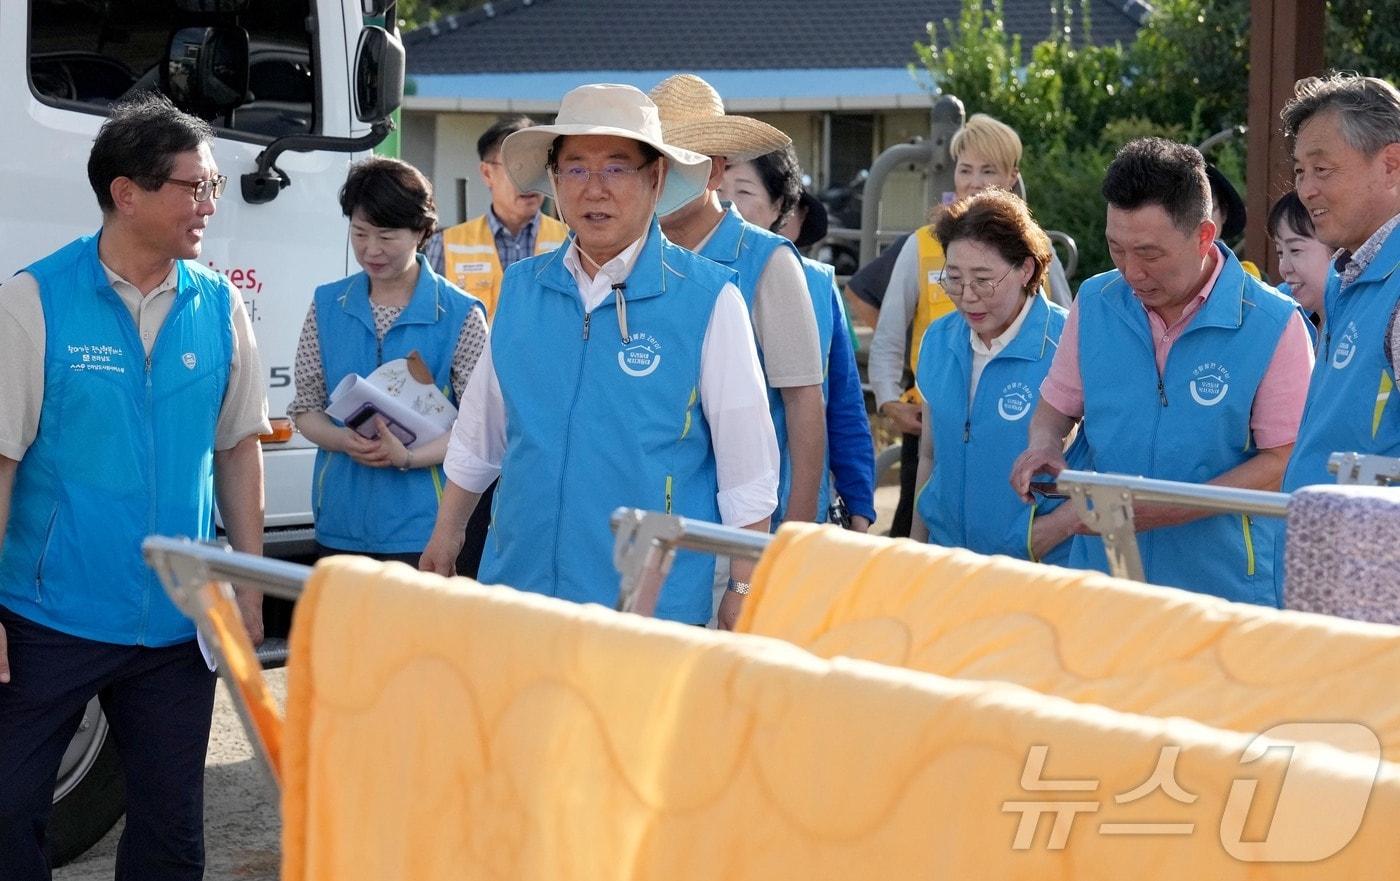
(1181, 367)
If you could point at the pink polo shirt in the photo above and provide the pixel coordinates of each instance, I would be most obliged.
(1278, 403)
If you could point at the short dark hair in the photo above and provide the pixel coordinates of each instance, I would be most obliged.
(490, 141)
(1001, 221)
(1155, 171)
(782, 178)
(551, 161)
(140, 140)
(392, 194)
(1290, 209)
(1368, 107)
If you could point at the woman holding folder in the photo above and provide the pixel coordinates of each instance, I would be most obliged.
(375, 488)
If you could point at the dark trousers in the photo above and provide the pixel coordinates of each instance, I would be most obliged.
(158, 703)
(908, 476)
(468, 559)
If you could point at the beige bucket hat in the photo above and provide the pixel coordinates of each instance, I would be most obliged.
(693, 117)
(605, 109)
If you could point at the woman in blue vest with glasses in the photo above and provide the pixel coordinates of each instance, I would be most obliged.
(979, 372)
(376, 495)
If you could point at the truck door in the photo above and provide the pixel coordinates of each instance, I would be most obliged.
(81, 55)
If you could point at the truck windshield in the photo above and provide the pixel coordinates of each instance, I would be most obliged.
(86, 54)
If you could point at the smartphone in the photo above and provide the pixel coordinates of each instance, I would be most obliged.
(1048, 489)
(362, 423)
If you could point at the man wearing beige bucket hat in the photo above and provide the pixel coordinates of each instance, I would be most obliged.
(769, 276)
(621, 371)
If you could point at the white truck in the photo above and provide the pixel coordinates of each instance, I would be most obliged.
(295, 90)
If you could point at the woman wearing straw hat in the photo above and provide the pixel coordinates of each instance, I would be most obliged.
(770, 278)
(620, 371)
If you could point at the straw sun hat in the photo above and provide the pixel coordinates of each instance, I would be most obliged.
(605, 109)
(693, 117)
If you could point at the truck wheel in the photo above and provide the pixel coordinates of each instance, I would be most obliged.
(90, 795)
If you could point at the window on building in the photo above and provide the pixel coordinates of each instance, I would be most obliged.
(852, 146)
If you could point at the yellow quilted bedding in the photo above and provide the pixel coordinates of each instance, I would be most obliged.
(1079, 635)
(442, 730)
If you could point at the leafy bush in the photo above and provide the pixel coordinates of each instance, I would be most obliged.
(1073, 107)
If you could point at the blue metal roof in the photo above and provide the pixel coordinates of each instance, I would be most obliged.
(603, 37)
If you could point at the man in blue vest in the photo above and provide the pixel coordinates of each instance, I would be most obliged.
(1346, 162)
(1182, 367)
(141, 403)
(770, 277)
(621, 371)
(475, 254)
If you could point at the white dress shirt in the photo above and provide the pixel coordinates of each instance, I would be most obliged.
(733, 396)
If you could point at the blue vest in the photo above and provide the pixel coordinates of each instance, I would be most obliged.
(595, 422)
(382, 510)
(967, 502)
(125, 449)
(746, 249)
(821, 285)
(1190, 424)
(1351, 406)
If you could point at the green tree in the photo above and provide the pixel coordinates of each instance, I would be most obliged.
(1185, 77)
(1063, 100)
(1190, 65)
(416, 13)
(1362, 39)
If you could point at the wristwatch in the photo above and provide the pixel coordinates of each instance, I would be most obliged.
(407, 460)
(739, 587)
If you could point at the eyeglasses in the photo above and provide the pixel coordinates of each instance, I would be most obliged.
(957, 288)
(578, 176)
(203, 189)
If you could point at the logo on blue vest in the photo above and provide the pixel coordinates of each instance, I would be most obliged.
(189, 360)
(1210, 382)
(640, 356)
(1346, 347)
(96, 357)
(1015, 402)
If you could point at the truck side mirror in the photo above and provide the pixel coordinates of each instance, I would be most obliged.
(206, 69)
(379, 75)
(375, 8)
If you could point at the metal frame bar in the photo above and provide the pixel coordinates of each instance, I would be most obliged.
(1358, 469)
(199, 579)
(1105, 503)
(646, 543)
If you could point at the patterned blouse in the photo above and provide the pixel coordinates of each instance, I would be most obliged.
(311, 392)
